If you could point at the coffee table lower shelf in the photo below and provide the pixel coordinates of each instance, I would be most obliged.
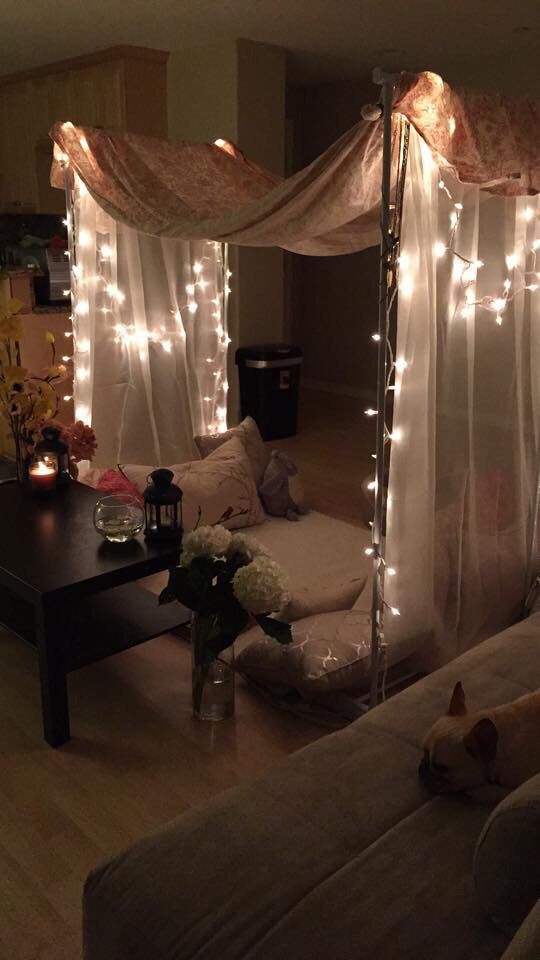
(82, 631)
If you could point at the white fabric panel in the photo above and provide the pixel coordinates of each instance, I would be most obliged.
(464, 475)
(150, 338)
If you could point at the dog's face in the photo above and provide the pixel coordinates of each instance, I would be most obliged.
(458, 750)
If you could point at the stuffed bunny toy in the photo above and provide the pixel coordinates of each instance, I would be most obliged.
(275, 490)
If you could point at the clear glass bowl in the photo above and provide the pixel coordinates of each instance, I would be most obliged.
(118, 518)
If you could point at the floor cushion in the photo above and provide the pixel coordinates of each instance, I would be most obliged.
(329, 652)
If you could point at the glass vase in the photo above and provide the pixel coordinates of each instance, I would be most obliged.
(212, 681)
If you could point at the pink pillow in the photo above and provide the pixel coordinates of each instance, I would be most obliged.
(114, 482)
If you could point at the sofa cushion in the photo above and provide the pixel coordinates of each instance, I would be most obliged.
(222, 482)
(248, 432)
(507, 857)
(338, 851)
(526, 943)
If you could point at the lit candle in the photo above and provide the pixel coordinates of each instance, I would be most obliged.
(42, 477)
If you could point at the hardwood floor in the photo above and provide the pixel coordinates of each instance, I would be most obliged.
(136, 760)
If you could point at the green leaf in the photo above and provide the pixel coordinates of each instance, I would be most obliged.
(275, 628)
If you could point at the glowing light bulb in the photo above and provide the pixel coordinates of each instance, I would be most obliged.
(190, 289)
(219, 330)
(536, 244)
(209, 360)
(226, 341)
(67, 253)
(406, 286)
(67, 359)
(469, 273)
(83, 346)
(458, 206)
(66, 293)
(396, 434)
(391, 571)
(82, 374)
(376, 337)
(219, 142)
(404, 260)
(192, 307)
(498, 320)
(208, 399)
(507, 284)
(532, 287)
(401, 364)
(453, 219)
(68, 333)
(67, 397)
(82, 308)
(468, 312)
(369, 551)
(439, 249)
(511, 261)
(370, 412)
(372, 485)
(197, 267)
(528, 214)
(106, 251)
(225, 387)
(441, 184)
(498, 304)
(395, 612)
(65, 221)
(167, 345)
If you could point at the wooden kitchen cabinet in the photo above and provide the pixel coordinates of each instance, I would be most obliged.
(122, 88)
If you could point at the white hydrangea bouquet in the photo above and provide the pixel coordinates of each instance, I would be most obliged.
(228, 581)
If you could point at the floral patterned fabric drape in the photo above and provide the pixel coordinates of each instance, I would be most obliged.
(201, 191)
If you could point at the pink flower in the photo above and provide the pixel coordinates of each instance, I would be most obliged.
(81, 440)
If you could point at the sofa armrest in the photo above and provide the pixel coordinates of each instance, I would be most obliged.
(526, 943)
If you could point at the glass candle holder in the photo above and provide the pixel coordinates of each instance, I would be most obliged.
(42, 474)
(118, 518)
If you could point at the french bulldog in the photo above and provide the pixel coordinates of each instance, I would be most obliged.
(501, 745)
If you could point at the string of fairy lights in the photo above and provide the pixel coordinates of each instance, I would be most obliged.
(94, 287)
(522, 277)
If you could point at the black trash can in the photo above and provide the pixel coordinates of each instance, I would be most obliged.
(269, 376)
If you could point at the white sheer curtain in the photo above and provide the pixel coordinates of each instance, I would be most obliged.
(464, 464)
(149, 337)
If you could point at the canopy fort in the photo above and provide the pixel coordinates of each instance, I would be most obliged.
(446, 182)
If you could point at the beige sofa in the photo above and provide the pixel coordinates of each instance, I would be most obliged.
(338, 852)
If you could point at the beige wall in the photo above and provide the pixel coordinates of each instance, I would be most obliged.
(202, 93)
(333, 299)
(235, 89)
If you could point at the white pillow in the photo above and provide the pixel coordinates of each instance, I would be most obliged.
(220, 485)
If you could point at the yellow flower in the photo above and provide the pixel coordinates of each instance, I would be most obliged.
(14, 306)
(10, 327)
(14, 378)
(58, 370)
(50, 337)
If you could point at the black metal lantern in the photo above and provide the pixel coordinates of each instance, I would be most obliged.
(163, 508)
(53, 448)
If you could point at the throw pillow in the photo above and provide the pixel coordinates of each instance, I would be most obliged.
(221, 486)
(115, 482)
(507, 857)
(248, 433)
(329, 652)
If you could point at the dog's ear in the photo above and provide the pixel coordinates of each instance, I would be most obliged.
(481, 741)
(457, 707)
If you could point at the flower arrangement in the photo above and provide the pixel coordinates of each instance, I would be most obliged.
(228, 581)
(27, 401)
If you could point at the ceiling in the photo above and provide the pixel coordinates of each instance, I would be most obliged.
(491, 43)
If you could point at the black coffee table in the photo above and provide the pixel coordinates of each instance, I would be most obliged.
(71, 594)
